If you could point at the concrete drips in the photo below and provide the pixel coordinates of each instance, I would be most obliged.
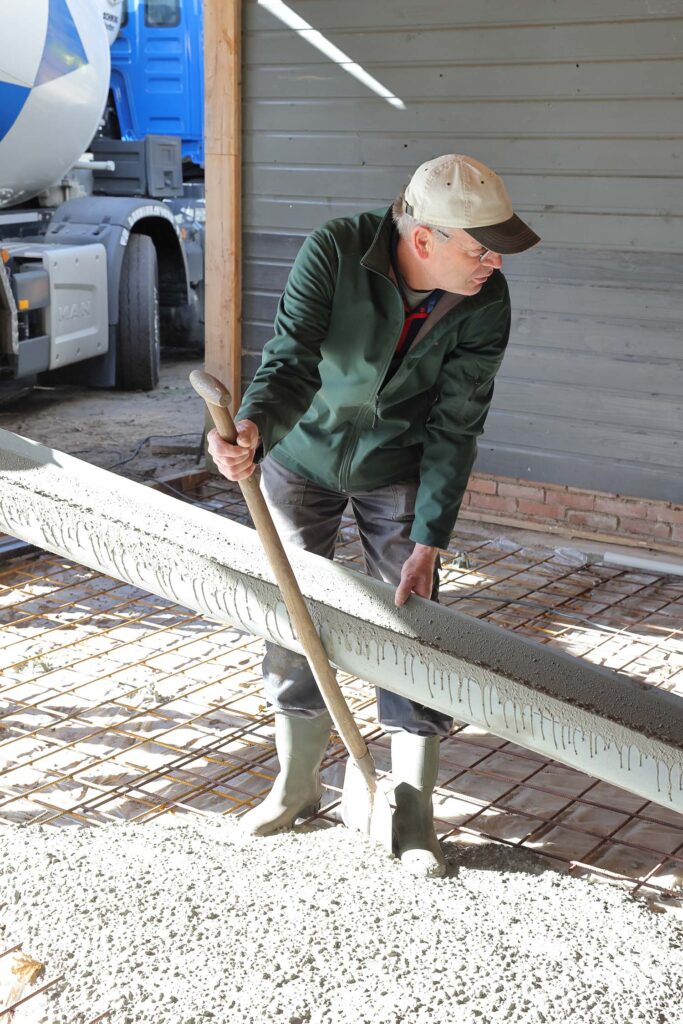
(181, 921)
(619, 730)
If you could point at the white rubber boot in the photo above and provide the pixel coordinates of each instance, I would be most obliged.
(414, 765)
(296, 792)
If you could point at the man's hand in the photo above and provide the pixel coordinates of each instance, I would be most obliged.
(417, 574)
(235, 461)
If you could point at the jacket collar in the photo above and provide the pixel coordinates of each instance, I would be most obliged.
(378, 256)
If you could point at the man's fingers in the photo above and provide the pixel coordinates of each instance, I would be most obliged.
(236, 465)
(236, 472)
(247, 434)
(413, 582)
(223, 450)
(403, 592)
(242, 474)
(235, 457)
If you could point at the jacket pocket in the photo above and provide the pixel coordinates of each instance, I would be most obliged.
(476, 401)
(473, 382)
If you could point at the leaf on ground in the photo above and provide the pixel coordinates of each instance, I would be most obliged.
(26, 971)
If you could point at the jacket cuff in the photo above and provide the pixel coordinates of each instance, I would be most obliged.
(422, 535)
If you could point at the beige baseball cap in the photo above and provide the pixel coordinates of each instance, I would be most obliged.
(455, 191)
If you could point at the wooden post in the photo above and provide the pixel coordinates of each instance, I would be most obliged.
(223, 160)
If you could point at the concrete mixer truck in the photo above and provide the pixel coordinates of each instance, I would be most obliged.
(101, 245)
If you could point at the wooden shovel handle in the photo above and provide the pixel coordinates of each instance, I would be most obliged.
(217, 398)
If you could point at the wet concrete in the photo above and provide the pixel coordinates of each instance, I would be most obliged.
(183, 921)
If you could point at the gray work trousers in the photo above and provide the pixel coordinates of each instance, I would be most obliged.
(308, 515)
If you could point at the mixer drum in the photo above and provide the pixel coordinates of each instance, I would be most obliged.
(54, 79)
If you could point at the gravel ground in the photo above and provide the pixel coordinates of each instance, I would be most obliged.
(183, 921)
(142, 435)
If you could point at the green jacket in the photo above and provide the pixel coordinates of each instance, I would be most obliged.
(318, 398)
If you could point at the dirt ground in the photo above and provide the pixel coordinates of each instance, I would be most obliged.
(140, 435)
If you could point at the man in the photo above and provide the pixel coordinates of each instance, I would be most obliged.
(375, 386)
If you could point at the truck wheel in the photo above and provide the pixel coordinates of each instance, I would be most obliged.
(138, 346)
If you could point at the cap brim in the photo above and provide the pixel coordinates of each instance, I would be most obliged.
(508, 237)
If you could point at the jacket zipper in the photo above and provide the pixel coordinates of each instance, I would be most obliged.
(372, 404)
(375, 411)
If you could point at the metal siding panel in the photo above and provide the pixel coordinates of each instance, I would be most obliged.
(457, 43)
(403, 151)
(553, 433)
(279, 213)
(265, 275)
(265, 245)
(603, 268)
(607, 194)
(456, 116)
(590, 79)
(259, 306)
(606, 336)
(327, 14)
(595, 300)
(586, 402)
(634, 376)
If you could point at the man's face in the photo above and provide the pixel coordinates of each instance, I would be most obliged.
(453, 261)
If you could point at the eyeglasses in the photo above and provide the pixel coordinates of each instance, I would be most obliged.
(481, 256)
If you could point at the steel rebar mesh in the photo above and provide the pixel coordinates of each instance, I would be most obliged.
(119, 705)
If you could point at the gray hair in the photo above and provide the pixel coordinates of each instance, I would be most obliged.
(405, 224)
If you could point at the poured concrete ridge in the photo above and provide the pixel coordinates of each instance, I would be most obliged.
(613, 727)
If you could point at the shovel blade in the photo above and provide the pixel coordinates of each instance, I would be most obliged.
(366, 810)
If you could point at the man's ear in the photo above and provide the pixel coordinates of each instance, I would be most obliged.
(422, 243)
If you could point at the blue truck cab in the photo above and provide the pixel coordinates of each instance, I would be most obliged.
(157, 77)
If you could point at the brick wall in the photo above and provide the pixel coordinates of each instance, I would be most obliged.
(569, 511)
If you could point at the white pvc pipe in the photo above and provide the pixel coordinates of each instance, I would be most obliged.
(94, 165)
(646, 564)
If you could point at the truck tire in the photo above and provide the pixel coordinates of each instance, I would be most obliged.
(138, 345)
